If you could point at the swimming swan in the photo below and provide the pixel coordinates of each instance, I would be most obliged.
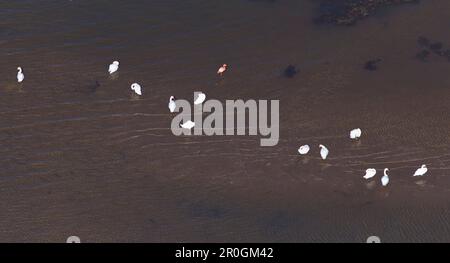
(323, 151)
(188, 125)
(370, 173)
(200, 98)
(385, 178)
(421, 171)
(136, 88)
(303, 149)
(172, 104)
(20, 75)
(113, 67)
(355, 134)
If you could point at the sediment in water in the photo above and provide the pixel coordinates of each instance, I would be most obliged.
(348, 12)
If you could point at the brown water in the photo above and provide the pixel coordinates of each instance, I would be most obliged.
(103, 165)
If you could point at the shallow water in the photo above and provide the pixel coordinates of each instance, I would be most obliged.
(99, 163)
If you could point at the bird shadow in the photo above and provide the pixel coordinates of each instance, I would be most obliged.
(90, 88)
(134, 97)
(114, 76)
(306, 159)
(372, 65)
(371, 185)
(14, 87)
(290, 71)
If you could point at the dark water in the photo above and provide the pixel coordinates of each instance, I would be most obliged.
(101, 164)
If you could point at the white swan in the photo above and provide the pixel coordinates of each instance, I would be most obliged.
(355, 134)
(385, 178)
(421, 171)
(222, 69)
(188, 125)
(172, 104)
(113, 67)
(20, 75)
(200, 98)
(323, 151)
(136, 88)
(303, 149)
(371, 172)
